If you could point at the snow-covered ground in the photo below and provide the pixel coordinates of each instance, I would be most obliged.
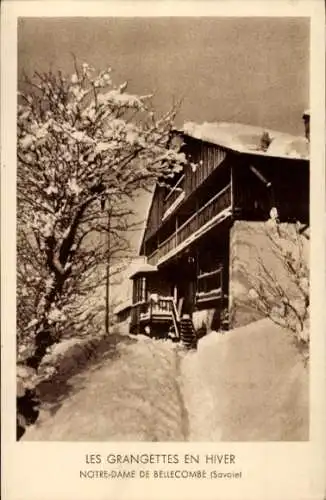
(199, 400)
(133, 394)
(249, 384)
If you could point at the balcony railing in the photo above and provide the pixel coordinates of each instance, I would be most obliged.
(176, 194)
(174, 205)
(161, 310)
(154, 257)
(212, 208)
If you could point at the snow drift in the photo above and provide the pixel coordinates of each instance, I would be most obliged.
(249, 384)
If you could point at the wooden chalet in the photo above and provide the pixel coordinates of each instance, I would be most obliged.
(234, 172)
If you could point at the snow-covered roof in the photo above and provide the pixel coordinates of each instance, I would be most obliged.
(143, 269)
(247, 138)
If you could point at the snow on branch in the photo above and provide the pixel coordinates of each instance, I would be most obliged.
(85, 147)
(284, 296)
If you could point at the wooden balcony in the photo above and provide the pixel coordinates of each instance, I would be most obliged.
(160, 312)
(207, 157)
(174, 197)
(199, 220)
(153, 258)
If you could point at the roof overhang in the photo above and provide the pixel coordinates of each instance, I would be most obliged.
(142, 270)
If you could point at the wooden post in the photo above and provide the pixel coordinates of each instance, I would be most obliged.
(231, 189)
(107, 294)
(175, 293)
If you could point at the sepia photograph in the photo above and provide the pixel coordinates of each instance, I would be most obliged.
(163, 229)
(163, 277)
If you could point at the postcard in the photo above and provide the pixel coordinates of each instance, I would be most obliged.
(163, 250)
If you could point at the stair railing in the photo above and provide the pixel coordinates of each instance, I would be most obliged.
(167, 305)
(175, 318)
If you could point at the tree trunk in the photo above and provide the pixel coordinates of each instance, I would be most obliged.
(43, 340)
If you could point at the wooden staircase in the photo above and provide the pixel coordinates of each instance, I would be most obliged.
(187, 333)
(158, 315)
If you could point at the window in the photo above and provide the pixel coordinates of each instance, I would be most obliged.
(209, 285)
(209, 275)
(140, 289)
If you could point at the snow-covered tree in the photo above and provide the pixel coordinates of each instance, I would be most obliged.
(284, 297)
(85, 149)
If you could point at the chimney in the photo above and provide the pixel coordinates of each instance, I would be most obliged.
(306, 121)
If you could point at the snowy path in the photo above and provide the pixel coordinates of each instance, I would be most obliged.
(199, 398)
(131, 396)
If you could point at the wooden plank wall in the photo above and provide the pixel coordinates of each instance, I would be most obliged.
(207, 157)
(155, 213)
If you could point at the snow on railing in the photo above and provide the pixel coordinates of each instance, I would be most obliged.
(171, 207)
(157, 307)
(213, 207)
(175, 189)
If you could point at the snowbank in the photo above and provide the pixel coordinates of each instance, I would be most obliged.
(134, 396)
(51, 382)
(249, 384)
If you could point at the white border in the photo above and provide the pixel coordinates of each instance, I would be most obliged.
(47, 471)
